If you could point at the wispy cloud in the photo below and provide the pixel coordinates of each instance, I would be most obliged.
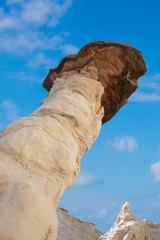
(69, 49)
(155, 170)
(21, 42)
(124, 144)
(34, 13)
(149, 89)
(10, 109)
(26, 27)
(101, 213)
(85, 179)
(26, 76)
(145, 97)
(41, 60)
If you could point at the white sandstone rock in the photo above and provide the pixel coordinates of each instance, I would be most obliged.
(40, 154)
(40, 157)
(129, 227)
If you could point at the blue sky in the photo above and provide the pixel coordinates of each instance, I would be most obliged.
(124, 163)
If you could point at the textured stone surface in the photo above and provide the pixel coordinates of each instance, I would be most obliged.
(129, 227)
(40, 154)
(117, 65)
(70, 228)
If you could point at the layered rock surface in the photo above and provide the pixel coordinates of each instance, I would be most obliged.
(40, 154)
(116, 65)
(70, 228)
(129, 227)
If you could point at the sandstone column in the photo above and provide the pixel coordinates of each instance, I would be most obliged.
(40, 154)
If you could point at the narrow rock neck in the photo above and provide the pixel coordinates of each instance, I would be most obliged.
(52, 140)
(75, 102)
(73, 114)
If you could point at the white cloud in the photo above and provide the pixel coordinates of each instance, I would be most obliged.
(149, 89)
(155, 170)
(8, 22)
(70, 49)
(145, 97)
(29, 41)
(74, 209)
(34, 12)
(41, 60)
(124, 144)
(151, 81)
(26, 76)
(8, 2)
(101, 213)
(21, 26)
(10, 109)
(85, 179)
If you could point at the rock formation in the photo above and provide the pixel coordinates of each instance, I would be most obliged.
(70, 228)
(129, 227)
(40, 154)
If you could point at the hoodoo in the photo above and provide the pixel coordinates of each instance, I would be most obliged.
(40, 154)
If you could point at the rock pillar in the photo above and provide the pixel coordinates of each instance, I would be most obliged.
(40, 154)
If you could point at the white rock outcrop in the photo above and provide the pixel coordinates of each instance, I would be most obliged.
(40, 157)
(70, 228)
(129, 227)
(40, 154)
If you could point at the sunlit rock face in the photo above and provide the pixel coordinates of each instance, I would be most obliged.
(40, 154)
(129, 227)
(116, 65)
(70, 228)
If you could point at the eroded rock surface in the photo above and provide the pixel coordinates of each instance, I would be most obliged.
(129, 227)
(116, 65)
(70, 228)
(40, 154)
